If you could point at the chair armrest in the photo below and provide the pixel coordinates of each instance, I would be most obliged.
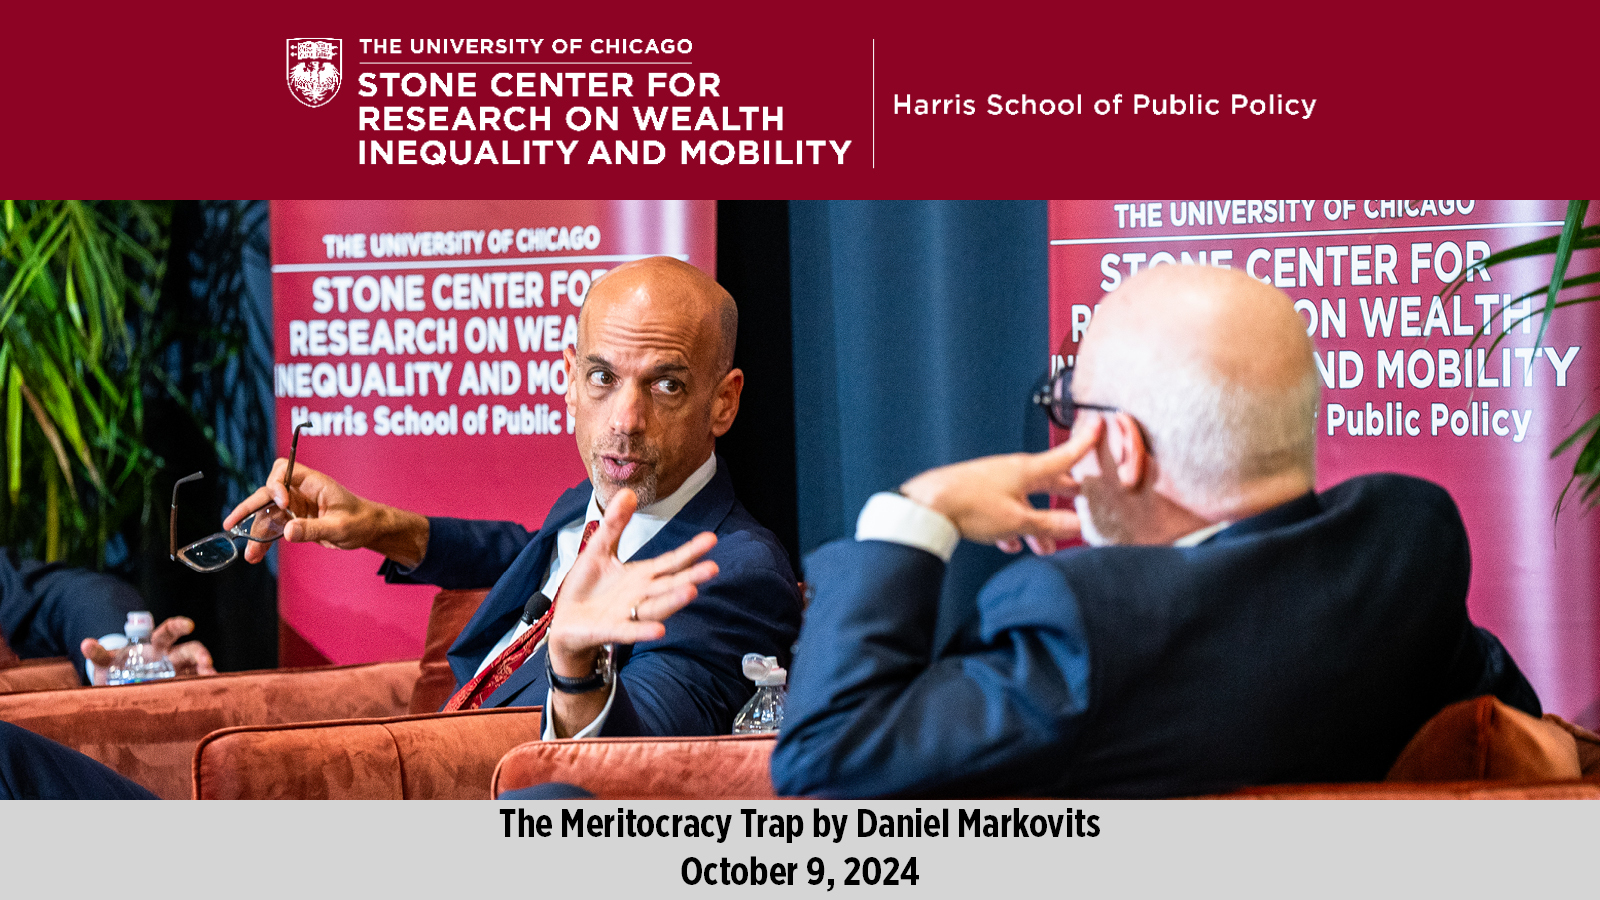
(726, 767)
(1429, 790)
(449, 614)
(1588, 745)
(148, 732)
(53, 674)
(1475, 749)
(1483, 738)
(437, 756)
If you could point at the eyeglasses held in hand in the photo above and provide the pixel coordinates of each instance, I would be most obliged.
(1056, 398)
(218, 551)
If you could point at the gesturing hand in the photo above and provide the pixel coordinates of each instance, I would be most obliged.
(987, 498)
(191, 658)
(606, 601)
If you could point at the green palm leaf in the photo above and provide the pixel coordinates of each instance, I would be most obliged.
(70, 273)
(1574, 237)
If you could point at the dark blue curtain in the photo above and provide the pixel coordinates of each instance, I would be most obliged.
(920, 329)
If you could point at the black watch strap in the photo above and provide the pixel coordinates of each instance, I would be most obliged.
(594, 681)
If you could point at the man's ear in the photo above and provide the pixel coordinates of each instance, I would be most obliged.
(570, 360)
(725, 402)
(1128, 448)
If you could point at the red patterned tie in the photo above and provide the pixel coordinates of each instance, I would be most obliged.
(486, 682)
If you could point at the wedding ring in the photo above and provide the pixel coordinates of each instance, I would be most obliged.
(634, 615)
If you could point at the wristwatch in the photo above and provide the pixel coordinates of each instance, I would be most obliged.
(602, 676)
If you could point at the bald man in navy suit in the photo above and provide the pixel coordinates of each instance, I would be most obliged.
(651, 386)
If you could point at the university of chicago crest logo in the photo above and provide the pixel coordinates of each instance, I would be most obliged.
(314, 69)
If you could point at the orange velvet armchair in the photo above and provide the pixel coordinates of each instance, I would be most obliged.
(1475, 748)
(433, 756)
(33, 674)
(150, 732)
(20, 675)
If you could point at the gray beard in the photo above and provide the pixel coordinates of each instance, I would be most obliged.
(645, 487)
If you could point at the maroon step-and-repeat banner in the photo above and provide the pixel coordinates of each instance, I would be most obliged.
(421, 341)
(1404, 386)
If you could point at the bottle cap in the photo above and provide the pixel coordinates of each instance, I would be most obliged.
(139, 626)
(764, 670)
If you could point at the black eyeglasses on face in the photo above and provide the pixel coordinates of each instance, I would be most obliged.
(218, 551)
(1056, 398)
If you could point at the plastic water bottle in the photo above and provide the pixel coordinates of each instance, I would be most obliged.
(764, 713)
(138, 661)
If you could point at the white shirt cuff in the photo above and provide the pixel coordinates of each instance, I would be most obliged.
(899, 520)
(590, 730)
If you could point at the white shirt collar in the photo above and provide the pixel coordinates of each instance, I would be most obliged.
(1195, 538)
(647, 521)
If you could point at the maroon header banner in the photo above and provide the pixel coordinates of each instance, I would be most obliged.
(1405, 387)
(826, 101)
(421, 344)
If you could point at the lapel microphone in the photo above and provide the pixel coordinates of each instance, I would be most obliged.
(537, 606)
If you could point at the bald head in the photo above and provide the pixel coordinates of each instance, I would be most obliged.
(651, 383)
(1218, 369)
(691, 295)
(1232, 326)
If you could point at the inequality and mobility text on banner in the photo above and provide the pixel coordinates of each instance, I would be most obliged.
(421, 343)
(1448, 386)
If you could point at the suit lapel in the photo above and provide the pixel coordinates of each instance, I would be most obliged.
(702, 513)
(505, 601)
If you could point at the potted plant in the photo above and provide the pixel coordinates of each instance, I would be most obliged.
(75, 274)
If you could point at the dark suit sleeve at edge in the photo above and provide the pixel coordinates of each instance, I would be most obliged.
(463, 554)
(870, 713)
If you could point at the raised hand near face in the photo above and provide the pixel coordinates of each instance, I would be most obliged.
(987, 498)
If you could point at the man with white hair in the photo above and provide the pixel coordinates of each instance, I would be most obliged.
(1229, 626)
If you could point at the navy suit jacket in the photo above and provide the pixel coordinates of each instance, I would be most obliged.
(687, 683)
(1305, 644)
(47, 609)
